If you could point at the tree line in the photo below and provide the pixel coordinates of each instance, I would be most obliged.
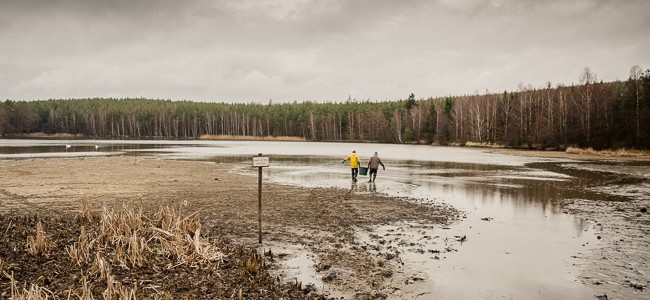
(589, 114)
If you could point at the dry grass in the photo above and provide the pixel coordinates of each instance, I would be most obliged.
(115, 290)
(40, 244)
(128, 239)
(484, 145)
(79, 251)
(617, 153)
(84, 209)
(34, 292)
(51, 135)
(86, 290)
(251, 138)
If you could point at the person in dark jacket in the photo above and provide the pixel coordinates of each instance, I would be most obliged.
(373, 165)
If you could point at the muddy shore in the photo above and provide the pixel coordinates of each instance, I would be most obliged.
(323, 220)
(326, 223)
(619, 266)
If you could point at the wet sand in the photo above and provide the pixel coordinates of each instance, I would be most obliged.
(323, 220)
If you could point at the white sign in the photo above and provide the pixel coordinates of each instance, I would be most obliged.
(260, 161)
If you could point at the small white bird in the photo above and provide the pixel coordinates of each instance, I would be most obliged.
(96, 147)
(68, 146)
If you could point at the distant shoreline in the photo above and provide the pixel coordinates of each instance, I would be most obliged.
(570, 152)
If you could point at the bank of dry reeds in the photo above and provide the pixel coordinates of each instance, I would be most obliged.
(123, 238)
(617, 153)
(126, 253)
(225, 137)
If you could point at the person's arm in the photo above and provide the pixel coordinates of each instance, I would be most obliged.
(347, 158)
(382, 165)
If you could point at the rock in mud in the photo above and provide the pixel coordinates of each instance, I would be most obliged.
(369, 296)
(329, 277)
(602, 297)
(322, 267)
(637, 286)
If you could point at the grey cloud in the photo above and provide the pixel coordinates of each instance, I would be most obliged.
(308, 49)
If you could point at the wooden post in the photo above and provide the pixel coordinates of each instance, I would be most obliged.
(260, 161)
(259, 201)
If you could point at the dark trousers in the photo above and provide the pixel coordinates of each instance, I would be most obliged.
(372, 174)
(355, 172)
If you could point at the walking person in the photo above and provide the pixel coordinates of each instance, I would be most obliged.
(354, 164)
(373, 165)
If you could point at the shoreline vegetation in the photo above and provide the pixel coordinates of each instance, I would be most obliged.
(591, 114)
(222, 137)
(570, 151)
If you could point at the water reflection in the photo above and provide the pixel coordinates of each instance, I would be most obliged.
(363, 187)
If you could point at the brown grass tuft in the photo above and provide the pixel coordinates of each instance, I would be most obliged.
(40, 244)
(34, 292)
(100, 267)
(86, 290)
(80, 251)
(84, 209)
(115, 290)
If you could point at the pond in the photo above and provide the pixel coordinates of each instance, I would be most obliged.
(519, 243)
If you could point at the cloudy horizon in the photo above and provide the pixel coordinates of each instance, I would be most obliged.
(286, 50)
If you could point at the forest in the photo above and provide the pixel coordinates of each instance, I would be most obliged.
(592, 113)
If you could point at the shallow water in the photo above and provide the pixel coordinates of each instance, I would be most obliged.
(519, 244)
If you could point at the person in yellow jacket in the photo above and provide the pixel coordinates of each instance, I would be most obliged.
(354, 164)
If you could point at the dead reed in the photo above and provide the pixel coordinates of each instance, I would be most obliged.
(84, 209)
(484, 145)
(180, 237)
(115, 290)
(40, 244)
(80, 251)
(127, 238)
(251, 138)
(608, 152)
(100, 267)
(34, 292)
(86, 290)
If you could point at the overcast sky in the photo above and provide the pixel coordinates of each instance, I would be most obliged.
(321, 50)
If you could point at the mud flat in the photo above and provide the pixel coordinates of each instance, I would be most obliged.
(327, 222)
(618, 266)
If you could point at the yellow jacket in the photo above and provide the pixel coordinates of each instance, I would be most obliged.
(354, 160)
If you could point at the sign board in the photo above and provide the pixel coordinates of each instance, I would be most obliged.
(260, 161)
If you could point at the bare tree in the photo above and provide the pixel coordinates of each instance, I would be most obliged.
(635, 75)
(587, 78)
